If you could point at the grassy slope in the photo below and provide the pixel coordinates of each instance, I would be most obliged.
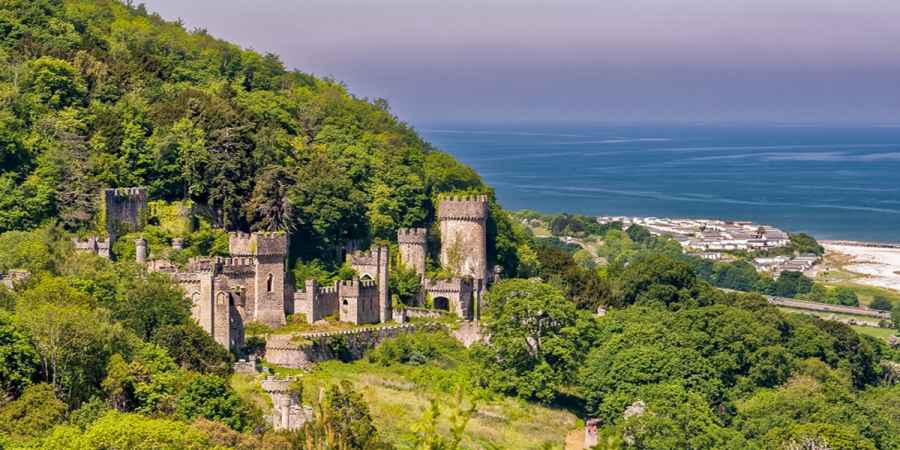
(397, 404)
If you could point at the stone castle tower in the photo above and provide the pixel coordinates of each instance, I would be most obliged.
(413, 248)
(464, 235)
(374, 265)
(124, 210)
(266, 300)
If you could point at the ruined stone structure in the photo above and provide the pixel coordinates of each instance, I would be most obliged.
(140, 250)
(463, 252)
(303, 349)
(14, 277)
(456, 295)
(93, 244)
(374, 266)
(464, 235)
(124, 210)
(413, 243)
(287, 412)
(227, 293)
(354, 301)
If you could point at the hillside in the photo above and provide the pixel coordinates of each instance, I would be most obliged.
(97, 94)
(627, 339)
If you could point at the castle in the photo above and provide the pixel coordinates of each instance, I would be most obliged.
(227, 293)
(253, 284)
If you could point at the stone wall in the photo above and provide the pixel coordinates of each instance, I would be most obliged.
(316, 347)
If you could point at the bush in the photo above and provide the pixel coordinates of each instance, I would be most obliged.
(881, 303)
(416, 349)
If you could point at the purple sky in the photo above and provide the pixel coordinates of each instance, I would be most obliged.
(621, 60)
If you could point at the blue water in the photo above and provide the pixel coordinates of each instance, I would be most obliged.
(832, 182)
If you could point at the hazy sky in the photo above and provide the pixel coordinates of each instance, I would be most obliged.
(622, 60)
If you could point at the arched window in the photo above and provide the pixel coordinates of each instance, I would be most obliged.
(269, 283)
(366, 277)
(221, 298)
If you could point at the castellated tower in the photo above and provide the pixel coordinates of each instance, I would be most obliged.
(124, 210)
(413, 248)
(464, 235)
(374, 265)
(264, 278)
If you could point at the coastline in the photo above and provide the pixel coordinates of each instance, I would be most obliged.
(874, 264)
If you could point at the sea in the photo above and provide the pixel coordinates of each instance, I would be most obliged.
(834, 182)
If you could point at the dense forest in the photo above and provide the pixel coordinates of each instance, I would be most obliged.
(98, 353)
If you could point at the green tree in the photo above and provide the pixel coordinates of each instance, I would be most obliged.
(148, 302)
(536, 339)
(32, 414)
(193, 348)
(844, 296)
(269, 208)
(55, 82)
(881, 303)
(18, 359)
(342, 421)
(405, 285)
(211, 397)
(73, 344)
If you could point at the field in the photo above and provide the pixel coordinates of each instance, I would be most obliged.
(881, 333)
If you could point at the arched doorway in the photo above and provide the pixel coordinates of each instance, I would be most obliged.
(442, 303)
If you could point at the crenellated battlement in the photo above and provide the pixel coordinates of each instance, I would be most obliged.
(271, 244)
(236, 261)
(203, 265)
(276, 385)
(257, 244)
(470, 207)
(412, 236)
(127, 192)
(453, 285)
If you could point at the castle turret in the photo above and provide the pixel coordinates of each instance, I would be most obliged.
(374, 265)
(140, 250)
(124, 210)
(287, 413)
(464, 235)
(271, 251)
(413, 243)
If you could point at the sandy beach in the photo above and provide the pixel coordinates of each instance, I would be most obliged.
(878, 266)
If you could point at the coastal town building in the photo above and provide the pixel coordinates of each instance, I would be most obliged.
(779, 264)
(709, 235)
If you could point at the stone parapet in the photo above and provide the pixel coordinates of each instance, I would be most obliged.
(473, 207)
(412, 236)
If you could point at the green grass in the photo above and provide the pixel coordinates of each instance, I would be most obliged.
(826, 315)
(397, 402)
(881, 333)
